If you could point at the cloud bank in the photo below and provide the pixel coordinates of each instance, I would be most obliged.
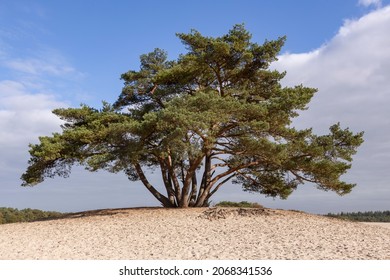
(367, 3)
(352, 73)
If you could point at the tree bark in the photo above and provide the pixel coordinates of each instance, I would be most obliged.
(194, 190)
(184, 201)
(167, 181)
(163, 199)
(173, 178)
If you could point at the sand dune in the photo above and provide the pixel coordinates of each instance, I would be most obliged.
(385, 225)
(156, 233)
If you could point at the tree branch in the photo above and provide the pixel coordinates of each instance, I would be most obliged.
(303, 178)
(230, 171)
(163, 199)
(219, 185)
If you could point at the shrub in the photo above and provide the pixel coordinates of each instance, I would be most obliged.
(13, 215)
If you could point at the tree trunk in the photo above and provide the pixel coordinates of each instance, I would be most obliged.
(163, 199)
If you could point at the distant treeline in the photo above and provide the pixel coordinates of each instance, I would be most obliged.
(370, 216)
(12, 215)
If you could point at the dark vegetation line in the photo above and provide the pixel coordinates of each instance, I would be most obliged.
(13, 215)
(368, 216)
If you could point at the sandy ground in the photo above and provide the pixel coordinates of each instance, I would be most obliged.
(385, 225)
(156, 233)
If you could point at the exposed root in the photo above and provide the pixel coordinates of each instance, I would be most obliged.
(223, 213)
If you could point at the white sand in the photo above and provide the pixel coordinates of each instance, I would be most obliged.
(385, 225)
(156, 233)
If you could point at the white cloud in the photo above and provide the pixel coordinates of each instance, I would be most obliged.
(24, 116)
(36, 67)
(352, 73)
(28, 96)
(45, 62)
(26, 101)
(366, 3)
(352, 70)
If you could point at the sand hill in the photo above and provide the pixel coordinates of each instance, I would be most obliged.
(157, 233)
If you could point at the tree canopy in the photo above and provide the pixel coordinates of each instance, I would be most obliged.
(216, 114)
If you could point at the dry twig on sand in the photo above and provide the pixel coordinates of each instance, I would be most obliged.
(222, 213)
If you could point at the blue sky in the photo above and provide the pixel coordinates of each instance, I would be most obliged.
(99, 40)
(63, 53)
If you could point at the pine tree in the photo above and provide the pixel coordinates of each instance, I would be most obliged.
(216, 114)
